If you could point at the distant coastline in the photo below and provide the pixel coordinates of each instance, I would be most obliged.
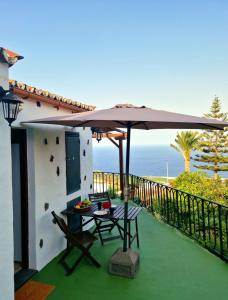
(146, 160)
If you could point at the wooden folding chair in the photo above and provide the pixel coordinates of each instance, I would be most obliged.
(103, 225)
(80, 240)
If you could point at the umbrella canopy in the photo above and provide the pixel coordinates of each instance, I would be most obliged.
(121, 116)
(129, 116)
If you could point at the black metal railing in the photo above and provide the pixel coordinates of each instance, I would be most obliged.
(203, 220)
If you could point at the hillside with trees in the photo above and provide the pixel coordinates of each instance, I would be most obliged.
(212, 155)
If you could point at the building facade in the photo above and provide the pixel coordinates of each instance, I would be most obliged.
(43, 168)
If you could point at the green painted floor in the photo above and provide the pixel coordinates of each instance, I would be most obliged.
(172, 267)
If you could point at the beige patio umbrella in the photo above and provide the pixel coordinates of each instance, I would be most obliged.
(132, 117)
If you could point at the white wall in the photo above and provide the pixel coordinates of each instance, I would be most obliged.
(6, 208)
(44, 184)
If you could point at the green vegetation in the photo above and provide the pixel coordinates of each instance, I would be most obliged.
(200, 184)
(185, 143)
(113, 192)
(160, 179)
(213, 144)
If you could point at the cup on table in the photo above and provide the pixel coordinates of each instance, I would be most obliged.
(111, 210)
(99, 204)
(106, 205)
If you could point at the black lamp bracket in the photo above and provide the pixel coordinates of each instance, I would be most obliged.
(3, 92)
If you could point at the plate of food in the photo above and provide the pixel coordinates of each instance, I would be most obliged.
(83, 206)
(100, 212)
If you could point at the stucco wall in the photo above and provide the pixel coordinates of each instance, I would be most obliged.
(6, 216)
(44, 184)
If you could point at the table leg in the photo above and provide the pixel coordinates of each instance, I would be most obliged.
(68, 244)
(137, 233)
(115, 223)
(98, 223)
(81, 227)
(121, 229)
(129, 234)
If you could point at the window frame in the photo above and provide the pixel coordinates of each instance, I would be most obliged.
(77, 186)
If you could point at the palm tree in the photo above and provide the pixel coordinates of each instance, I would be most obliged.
(185, 143)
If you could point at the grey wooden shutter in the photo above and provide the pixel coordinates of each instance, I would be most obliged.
(73, 177)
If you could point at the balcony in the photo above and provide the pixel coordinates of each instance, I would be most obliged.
(172, 266)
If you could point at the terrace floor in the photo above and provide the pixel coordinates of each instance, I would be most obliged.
(172, 266)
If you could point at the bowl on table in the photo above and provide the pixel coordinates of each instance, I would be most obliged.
(83, 206)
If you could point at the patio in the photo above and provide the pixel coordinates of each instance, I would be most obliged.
(172, 267)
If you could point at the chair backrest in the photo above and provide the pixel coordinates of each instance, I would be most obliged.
(100, 197)
(61, 223)
(67, 233)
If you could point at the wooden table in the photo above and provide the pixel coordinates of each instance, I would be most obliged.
(117, 216)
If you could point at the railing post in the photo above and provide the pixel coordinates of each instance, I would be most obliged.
(159, 199)
(133, 186)
(144, 193)
(133, 178)
(113, 185)
(138, 187)
(93, 181)
(151, 199)
(226, 230)
(220, 229)
(203, 218)
(189, 216)
(178, 215)
(167, 204)
(103, 182)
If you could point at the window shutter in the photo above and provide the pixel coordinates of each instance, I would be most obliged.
(73, 177)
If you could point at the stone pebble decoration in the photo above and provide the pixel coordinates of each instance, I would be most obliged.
(58, 171)
(41, 243)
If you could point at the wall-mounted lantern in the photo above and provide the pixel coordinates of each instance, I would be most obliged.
(98, 133)
(10, 104)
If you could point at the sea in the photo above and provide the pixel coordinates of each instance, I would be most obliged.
(146, 160)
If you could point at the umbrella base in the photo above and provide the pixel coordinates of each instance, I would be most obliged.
(124, 264)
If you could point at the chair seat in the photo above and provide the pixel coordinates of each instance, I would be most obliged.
(85, 237)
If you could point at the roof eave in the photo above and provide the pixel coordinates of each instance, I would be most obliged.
(53, 102)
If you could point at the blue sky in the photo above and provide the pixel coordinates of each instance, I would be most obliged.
(170, 55)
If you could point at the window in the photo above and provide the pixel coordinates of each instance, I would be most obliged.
(73, 178)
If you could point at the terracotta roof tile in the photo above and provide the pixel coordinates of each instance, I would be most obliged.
(13, 54)
(47, 96)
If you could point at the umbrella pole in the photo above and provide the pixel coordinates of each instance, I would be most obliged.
(126, 188)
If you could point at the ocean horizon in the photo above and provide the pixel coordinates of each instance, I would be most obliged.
(145, 160)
